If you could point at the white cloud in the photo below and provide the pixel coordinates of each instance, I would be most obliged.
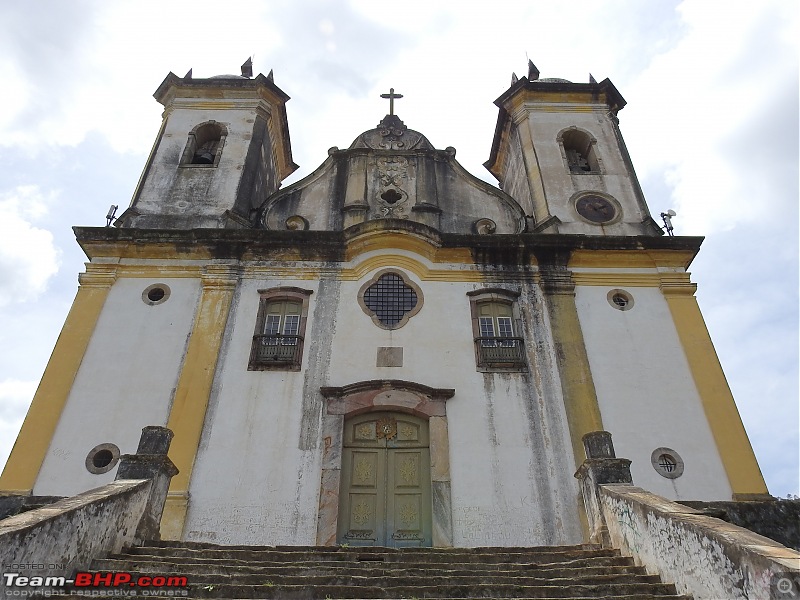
(28, 256)
(695, 100)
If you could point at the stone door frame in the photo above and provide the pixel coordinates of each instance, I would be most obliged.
(341, 403)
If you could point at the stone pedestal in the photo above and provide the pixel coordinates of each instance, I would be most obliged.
(601, 466)
(150, 462)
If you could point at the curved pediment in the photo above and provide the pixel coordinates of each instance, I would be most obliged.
(392, 172)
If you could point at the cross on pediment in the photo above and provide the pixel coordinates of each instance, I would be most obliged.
(391, 96)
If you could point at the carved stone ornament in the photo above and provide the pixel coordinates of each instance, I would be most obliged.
(392, 170)
(485, 226)
(391, 134)
(386, 428)
(296, 223)
(392, 203)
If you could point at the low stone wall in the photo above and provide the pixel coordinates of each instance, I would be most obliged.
(703, 556)
(776, 519)
(64, 536)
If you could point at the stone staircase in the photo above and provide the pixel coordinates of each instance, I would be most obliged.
(294, 572)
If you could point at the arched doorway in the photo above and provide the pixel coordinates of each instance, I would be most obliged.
(385, 489)
(409, 402)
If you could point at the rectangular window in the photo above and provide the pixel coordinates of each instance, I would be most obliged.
(498, 344)
(278, 340)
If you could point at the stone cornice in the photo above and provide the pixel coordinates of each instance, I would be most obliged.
(339, 246)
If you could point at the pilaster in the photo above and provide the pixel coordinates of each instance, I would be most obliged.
(192, 394)
(580, 397)
(734, 447)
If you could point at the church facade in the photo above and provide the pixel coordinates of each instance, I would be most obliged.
(389, 351)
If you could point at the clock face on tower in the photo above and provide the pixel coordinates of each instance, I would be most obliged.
(596, 209)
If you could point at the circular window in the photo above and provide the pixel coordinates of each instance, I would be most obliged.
(667, 463)
(390, 299)
(620, 299)
(596, 209)
(102, 458)
(157, 293)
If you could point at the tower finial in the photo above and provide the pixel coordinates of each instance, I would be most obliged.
(247, 68)
(533, 72)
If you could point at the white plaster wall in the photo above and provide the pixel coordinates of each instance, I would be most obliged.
(256, 481)
(507, 488)
(126, 381)
(646, 392)
(247, 485)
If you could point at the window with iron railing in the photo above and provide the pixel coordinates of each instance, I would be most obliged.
(499, 345)
(278, 339)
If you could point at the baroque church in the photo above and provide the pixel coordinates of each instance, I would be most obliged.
(389, 351)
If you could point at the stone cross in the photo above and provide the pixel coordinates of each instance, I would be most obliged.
(391, 96)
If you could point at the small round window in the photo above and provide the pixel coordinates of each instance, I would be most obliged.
(667, 463)
(390, 299)
(157, 293)
(620, 299)
(102, 458)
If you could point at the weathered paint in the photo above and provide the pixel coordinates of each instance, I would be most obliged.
(188, 411)
(701, 555)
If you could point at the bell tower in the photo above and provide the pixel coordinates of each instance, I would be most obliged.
(559, 153)
(223, 147)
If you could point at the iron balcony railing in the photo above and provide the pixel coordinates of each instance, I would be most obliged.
(500, 351)
(277, 349)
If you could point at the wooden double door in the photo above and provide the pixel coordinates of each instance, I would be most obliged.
(385, 491)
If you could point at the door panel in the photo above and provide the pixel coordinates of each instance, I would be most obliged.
(407, 491)
(385, 486)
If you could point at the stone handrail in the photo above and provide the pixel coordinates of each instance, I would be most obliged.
(57, 539)
(702, 555)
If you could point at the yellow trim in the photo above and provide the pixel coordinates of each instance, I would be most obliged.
(580, 396)
(733, 445)
(630, 259)
(187, 416)
(33, 441)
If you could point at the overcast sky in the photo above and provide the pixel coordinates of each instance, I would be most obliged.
(711, 124)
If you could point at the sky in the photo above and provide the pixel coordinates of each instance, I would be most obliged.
(711, 125)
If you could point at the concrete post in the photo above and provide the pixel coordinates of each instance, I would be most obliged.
(150, 462)
(601, 466)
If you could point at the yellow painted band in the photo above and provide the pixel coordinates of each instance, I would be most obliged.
(580, 397)
(187, 416)
(38, 428)
(733, 445)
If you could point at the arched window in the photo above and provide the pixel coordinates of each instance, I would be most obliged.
(579, 151)
(204, 146)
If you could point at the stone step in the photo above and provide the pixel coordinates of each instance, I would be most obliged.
(383, 549)
(434, 555)
(312, 573)
(324, 592)
(585, 567)
(389, 580)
